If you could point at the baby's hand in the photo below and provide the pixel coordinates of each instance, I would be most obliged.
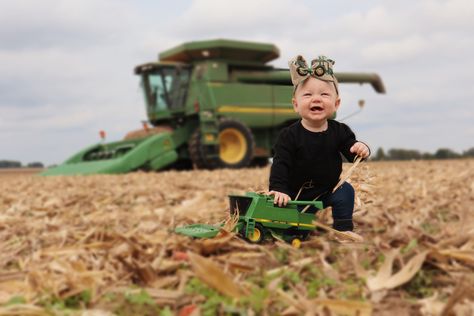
(360, 149)
(279, 198)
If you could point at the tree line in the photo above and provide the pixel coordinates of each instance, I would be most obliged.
(380, 155)
(413, 154)
(18, 164)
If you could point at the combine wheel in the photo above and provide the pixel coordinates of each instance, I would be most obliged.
(260, 162)
(196, 151)
(258, 234)
(236, 144)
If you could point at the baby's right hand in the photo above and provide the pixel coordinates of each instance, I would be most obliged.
(280, 198)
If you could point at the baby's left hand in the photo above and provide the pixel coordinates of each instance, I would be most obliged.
(360, 149)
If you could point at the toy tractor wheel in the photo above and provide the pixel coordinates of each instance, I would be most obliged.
(236, 144)
(296, 243)
(258, 234)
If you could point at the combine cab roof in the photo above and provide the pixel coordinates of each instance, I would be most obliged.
(221, 49)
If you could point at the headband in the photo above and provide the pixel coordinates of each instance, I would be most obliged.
(321, 68)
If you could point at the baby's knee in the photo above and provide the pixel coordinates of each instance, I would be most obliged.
(345, 194)
(348, 189)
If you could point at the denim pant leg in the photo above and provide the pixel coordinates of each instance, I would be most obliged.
(342, 203)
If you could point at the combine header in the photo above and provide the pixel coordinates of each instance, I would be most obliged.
(211, 104)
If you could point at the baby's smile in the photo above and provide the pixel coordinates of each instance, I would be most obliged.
(316, 108)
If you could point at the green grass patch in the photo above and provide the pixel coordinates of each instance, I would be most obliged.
(411, 245)
(15, 300)
(421, 285)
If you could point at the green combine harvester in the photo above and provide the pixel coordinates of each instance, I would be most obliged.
(210, 104)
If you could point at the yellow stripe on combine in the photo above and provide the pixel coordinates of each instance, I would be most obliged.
(262, 220)
(241, 109)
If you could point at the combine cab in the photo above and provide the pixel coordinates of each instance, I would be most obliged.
(211, 104)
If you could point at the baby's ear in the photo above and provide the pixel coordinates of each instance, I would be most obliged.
(338, 103)
(295, 104)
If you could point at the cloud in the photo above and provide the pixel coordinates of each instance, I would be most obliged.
(448, 15)
(396, 50)
(56, 23)
(242, 19)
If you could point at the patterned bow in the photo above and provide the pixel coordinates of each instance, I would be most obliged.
(321, 68)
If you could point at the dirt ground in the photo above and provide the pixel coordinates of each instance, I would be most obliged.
(106, 244)
(18, 172)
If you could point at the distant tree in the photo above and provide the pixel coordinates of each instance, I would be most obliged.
(380, 154)
(446, 153)
(403, 154)
(427, 156)
(412, 154)
(10, 164)
(35, 164)
(468, 153)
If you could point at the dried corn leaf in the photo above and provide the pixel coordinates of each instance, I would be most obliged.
(23, 310)
(460, 255)
(345, 307)
(214, 276)
(386, 280)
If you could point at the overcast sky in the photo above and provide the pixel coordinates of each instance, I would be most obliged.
(67, 66)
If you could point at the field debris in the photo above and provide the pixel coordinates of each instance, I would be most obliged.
(105, 245)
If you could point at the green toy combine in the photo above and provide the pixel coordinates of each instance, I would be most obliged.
(210, 104)
(260, 218)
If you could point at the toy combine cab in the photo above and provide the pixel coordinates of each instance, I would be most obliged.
(259, 218)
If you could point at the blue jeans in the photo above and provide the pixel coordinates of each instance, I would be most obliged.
(342, 203)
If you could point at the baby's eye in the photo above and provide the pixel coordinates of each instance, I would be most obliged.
(325, 94)
(307, 94)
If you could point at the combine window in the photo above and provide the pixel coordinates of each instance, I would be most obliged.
(239, 204)
(167, 87)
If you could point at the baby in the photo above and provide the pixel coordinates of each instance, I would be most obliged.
(307, 162)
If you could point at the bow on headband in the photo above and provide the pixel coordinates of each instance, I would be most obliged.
(321, 68)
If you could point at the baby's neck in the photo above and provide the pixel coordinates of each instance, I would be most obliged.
(315, 126)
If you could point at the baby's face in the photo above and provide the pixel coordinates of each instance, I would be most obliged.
(316, 100)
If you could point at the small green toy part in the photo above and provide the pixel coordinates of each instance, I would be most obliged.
(198, 230)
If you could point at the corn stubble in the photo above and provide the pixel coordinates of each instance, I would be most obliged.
(112, 236)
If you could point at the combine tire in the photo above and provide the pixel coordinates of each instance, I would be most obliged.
(259, 162)
(236, 144)
(197, 152)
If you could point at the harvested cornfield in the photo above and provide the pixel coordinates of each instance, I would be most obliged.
(105, 245)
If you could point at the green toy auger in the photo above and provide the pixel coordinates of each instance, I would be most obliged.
(259, 218)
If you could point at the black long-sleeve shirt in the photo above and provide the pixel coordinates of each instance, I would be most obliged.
(302, 156)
